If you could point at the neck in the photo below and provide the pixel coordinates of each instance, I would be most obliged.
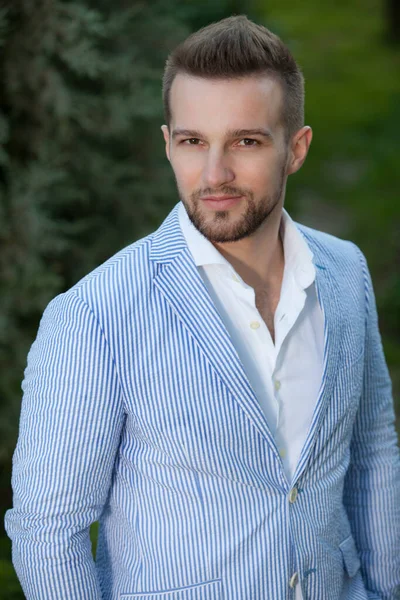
(259, 258)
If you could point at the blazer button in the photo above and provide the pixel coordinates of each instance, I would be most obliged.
(294, 580)
(293, 495)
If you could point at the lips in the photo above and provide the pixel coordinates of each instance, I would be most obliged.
(221, 202)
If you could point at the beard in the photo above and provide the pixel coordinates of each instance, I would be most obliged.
(220, 226)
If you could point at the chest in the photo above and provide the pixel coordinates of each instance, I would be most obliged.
(267, 300)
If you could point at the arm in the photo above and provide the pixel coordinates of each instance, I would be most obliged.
(372, 486)
(70, 425)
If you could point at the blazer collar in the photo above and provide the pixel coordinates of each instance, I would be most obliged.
(168, 240)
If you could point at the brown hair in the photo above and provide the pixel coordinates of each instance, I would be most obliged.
(233, 48)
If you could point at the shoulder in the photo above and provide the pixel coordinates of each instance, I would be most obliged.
(119, 271)
(344, 261)
(112, 289)
(339, 255)
(121, 288)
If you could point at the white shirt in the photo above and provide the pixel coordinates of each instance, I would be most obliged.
(285, 376)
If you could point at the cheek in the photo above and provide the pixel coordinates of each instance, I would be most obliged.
(187, 170)
(266, 174)
(253, 172)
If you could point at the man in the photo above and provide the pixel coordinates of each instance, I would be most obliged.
(216, 394)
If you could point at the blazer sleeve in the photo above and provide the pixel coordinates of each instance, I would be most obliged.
(70, 426)
(372, 486)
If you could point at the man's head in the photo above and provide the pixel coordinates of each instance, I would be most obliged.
(234, 48)
(234, 106)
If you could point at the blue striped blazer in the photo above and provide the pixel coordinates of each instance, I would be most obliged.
(137, 413)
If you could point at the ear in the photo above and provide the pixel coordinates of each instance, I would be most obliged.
(165, 130)
(298, 149)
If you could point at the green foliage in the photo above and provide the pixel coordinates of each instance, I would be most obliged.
(94, 531)
(10, 588)
(81, 174)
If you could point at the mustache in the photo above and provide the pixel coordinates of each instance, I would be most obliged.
(222, 191)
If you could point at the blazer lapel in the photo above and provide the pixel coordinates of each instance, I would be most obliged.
(329, 298)
(181, 285)
(179, 281)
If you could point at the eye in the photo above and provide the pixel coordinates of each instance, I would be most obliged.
(191, 142)
(248, 142)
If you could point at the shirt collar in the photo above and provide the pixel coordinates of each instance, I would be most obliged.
(298, 256)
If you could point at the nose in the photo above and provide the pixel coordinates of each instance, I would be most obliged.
(217, 171)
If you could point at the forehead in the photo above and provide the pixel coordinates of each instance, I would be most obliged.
(217, 104)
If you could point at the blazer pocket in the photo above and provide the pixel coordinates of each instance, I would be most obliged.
(350, 556)
(208, 590)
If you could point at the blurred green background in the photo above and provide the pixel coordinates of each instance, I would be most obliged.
(82, 166)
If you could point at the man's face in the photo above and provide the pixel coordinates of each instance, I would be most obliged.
(226, 145)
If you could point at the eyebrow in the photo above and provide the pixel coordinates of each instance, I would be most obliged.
(233, 133)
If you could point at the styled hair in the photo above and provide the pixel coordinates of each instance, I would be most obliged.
(233, 48)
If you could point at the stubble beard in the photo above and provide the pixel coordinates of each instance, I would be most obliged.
(217, 228)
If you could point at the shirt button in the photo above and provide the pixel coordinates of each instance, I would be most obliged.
(277, 385)
(235, 278)
(254, 324)
(293, 495)
(282, 453)
(294, 580)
